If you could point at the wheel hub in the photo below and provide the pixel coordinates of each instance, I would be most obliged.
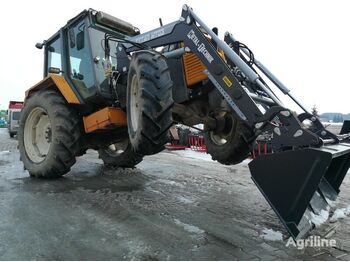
(37, 135)
(117, 148)
(48, 134)
(134, 103)
(221, 135)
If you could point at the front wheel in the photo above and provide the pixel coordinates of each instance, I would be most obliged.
(149, 102)
(229, 144)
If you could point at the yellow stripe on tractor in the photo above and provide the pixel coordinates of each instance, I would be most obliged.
(55, 81)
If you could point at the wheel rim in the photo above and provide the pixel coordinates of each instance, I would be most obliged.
(221, 137)
(134, 103)
(117, 149)
(37, 135)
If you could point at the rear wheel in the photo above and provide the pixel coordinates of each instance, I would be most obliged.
(228, 144)
(149, 102)
(119, 154)
(49, 135)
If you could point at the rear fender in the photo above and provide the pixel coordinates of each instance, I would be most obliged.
(58, 82)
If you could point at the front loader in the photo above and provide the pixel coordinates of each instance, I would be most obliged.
(108, 87)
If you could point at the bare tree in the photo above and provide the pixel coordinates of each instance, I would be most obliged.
(315, 111)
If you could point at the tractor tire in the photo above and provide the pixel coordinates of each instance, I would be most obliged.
(49, 135)
(229, 146)
(183, 136)
(119, 154)
(149, 102)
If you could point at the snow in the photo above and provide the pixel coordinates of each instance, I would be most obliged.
(4, 152)
(330, 202)
(153, 191)
(319, 219)
(184, 200)
(340, 213)
(271, 235)
(332, 123)
(247, 161)
(188, 153)
(170, 182)
(189, 228)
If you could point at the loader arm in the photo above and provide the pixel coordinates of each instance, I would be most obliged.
(188, 30)
(307, 166)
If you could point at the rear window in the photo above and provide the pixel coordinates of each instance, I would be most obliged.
(16, 115)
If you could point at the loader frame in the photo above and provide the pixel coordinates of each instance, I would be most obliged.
(189, 31)
(318, 161)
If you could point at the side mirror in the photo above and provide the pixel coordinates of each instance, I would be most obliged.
(39, 45)
(80, 40)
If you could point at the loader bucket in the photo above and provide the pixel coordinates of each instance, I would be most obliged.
(345, 128)
(298, 184)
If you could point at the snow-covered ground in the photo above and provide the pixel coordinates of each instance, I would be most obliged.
(175, 205)
(333, 127)
(271, 235)
(188, 153)
(318, 220)
(340, 213)
(6, 152)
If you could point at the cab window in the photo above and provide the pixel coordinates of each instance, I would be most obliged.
(54, 52)
(97, 43)
(80, 64)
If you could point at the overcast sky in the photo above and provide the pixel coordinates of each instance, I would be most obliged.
(306, 44)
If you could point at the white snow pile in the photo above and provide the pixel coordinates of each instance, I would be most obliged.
(271, 235)
(319, 219)
(330, 202)
(189, 228)
(184, 200)
(3, 153)
(188, 153)
(340, 213)
(324, 215)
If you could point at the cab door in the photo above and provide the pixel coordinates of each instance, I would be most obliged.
(80, 62)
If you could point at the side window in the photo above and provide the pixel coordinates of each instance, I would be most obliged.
(81, 68)
(54, 52)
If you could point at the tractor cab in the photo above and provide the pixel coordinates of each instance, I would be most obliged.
(78, 53)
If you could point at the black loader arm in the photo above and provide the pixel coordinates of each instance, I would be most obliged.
(189, 30)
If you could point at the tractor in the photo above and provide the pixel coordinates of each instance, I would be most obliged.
(110, 88)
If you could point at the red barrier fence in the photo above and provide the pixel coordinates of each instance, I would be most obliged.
(196, 143)
(260, 149)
